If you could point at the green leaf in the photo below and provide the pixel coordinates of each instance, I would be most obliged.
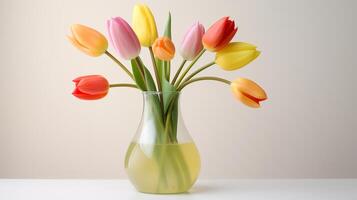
(167, 31)
(150, 83)
(168, 69)
(169, 92)
(171, 119)
(163, 66)
(174, 118)
(140, 82)
(149, 80)
(154, 114)
(147, 84)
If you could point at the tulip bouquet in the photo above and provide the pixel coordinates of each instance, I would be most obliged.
(161, 81)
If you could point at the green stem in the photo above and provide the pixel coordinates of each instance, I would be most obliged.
(123, 85)
(161, 159)
(155, 69)
(157, 80)
(168, 71)
(120, 64)
(168, 130)
(189, 67)
(178, 71)
(199, 70)
(204, 78)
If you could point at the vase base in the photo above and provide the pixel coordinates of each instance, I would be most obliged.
(163, 193)
(162, 168)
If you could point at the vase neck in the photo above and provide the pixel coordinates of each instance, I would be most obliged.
(160, 102)
(161, 121)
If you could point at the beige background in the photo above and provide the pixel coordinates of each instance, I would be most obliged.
(307, 66)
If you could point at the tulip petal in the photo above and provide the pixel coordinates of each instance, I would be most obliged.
(236, 60)
(248, 92)
(192, 42)
(93, 86)
(81, 47)
(247, 101)
(219, 34)
(76, 80)
(215, 33)
(236, 46)
(250, 88)
(90, 87)
(226, 40)
(84, 96)
(123, 38)
(89, 38)
(164, 49)
(144, 25)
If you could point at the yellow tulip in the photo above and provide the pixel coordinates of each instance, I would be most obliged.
(144, 25)
(236, 55)
(248, 92)
(88, 40)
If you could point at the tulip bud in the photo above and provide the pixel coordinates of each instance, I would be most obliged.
(91, 87)
(248, 92)
(123, 38)
(236, 55)
(163, 48)
(144, 25)
(219, 34)
(88, 40)
(191, 45)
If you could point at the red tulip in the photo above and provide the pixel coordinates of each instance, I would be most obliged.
(91, 87)
(219, 34)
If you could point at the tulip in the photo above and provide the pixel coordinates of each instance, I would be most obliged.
(163, 48)
(123, 38)
(236, 55)
(191, 45)
(219, 34)
(144, 25)
(90, 87)
(88, 40)
(248, 92)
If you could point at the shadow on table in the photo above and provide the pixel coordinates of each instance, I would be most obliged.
(198, 189)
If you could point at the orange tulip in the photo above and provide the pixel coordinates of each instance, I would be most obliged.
(248, 92)
(163, 48)
(88, 40)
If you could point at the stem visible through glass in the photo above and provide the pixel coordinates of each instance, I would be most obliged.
(157, 79)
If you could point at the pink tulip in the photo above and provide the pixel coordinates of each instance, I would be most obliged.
(192, 41)
(123, 38)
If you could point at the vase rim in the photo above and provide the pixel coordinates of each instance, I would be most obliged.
(157, 92)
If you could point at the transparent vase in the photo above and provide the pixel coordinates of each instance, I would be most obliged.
(162, 157)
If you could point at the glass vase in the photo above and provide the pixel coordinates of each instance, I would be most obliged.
(162, 157)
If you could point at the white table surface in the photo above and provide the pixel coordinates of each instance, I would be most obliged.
(303, 189)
